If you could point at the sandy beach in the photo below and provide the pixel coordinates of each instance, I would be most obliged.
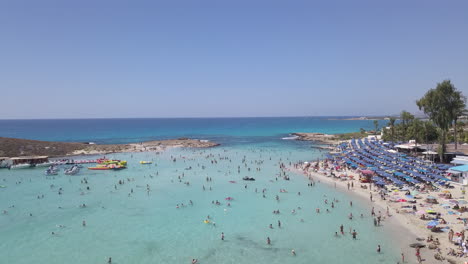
(407, 224)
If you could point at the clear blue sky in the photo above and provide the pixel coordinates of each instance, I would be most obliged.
(226, 58)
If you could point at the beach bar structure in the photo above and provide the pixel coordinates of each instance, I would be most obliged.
(460, 160)
(460, 174)
(31, 160)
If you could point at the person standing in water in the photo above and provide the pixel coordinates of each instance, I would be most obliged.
(268, 241)
(418, 255)
(222, 236)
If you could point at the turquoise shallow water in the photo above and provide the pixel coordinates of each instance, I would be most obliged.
(143, 228)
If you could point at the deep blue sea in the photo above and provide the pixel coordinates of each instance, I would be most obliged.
(222, 130)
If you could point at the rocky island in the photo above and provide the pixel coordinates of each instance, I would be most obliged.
(12, 147)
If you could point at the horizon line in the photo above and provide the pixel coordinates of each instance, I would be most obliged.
(207, 117)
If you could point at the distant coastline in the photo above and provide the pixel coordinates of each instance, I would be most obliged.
(13, 147)
(364, 118)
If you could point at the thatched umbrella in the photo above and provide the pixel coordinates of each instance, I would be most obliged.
(417, 245)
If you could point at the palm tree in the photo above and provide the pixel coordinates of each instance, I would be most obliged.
(406, 118)
(391, 123)
(376, 125)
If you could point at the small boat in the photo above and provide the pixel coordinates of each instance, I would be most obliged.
(45, 164)
(107, 167)
(108, 164)
(247, 178)
(52, 170)
(99, 168)
(20, 166)
(117, 167)
(109, 161)
(146, 162)
(73, 170)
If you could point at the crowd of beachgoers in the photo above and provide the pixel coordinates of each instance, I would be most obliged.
(284, 167)
(414, 193)
(418, 198)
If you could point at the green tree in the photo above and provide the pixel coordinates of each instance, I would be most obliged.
(416, 130)
(376, 126)
(391, 123)
(439, 104)
(406, 118)
(430, 132)
(457, 109)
